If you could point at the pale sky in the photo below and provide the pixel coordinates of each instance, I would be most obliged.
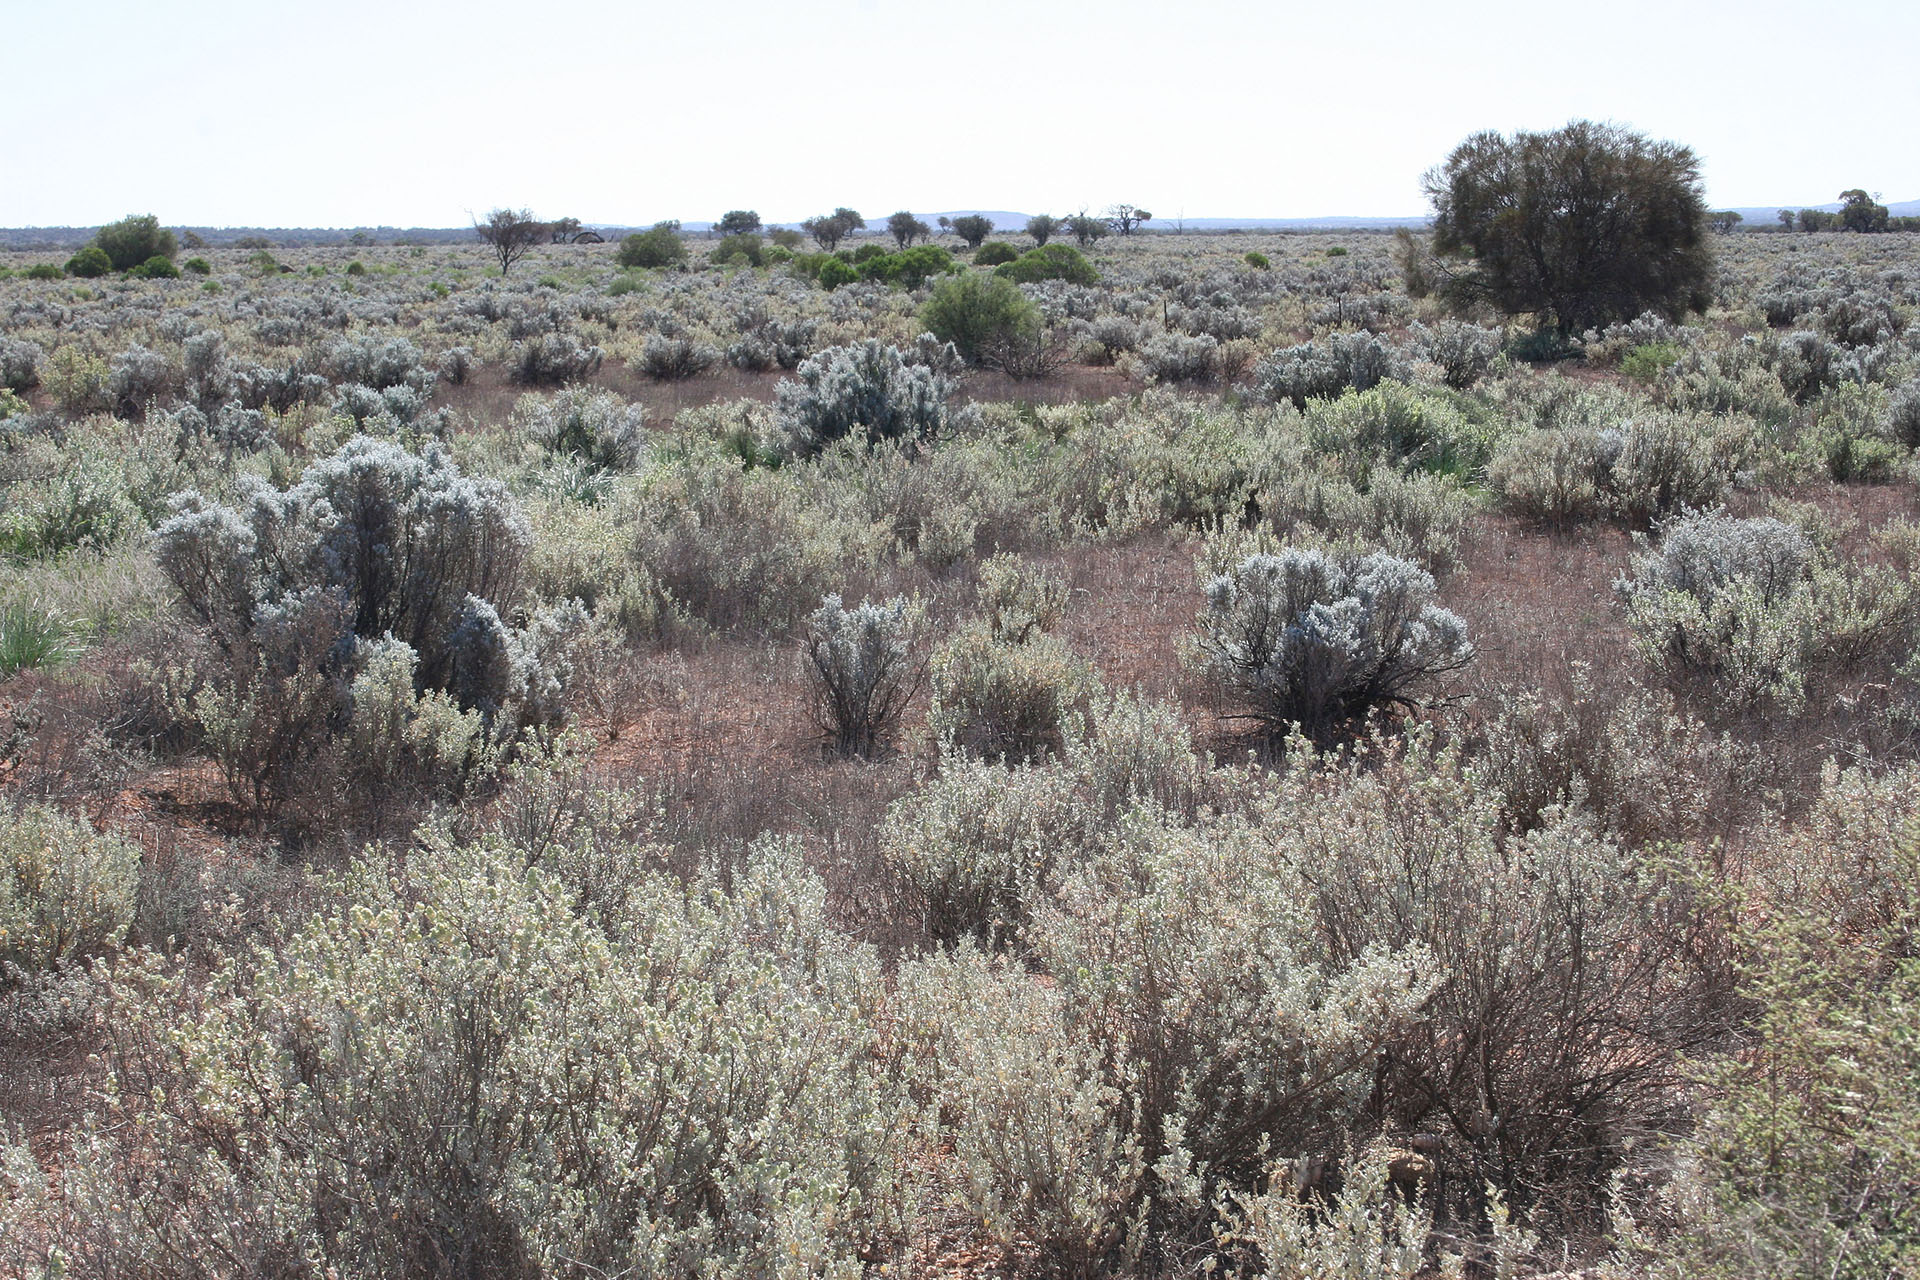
(355, 112)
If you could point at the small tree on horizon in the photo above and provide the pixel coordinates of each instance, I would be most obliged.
(905, 228)
(1127, 218)
(511, 233)
(829, 229)
(737, 222)
(973, 228)
(1042, 227)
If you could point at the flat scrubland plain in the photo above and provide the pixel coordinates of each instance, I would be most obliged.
(668, 773)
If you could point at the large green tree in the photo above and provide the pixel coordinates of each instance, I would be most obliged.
(1580, 227)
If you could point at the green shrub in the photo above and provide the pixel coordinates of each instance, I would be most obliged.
(156, 268)
(1337, 251)
(66, 891)
(994, 253)
(833, 273)
(89, 263)
(355, 268)
(201, 267)
(1006, 701)
(745, 248)
(1258, 261)
(909, 268)
(1049, 262)
(49, 271)
(986, 318)
(135, 240)
(660, 246)
(1645, 363)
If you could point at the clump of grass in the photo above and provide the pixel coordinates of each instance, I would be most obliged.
(31, 637)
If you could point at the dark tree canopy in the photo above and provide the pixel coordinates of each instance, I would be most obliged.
(973, 229)
(905, 228)
(135, 239)
(1582, 227)
(829, 229)
(1861, 212)
(511, 233)
(738, 222)
(1043, 227)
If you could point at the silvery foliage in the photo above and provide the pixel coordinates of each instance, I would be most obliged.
(1215, 318)
(690, 1080)
(671, 359)
(19, 363)
(1325, 367)
(379, 363)
(397, 544)
(137, 378)
(457, 364)
(231, 428)
(771, 344)
(1371, 312)
(871, 387)
(1903, 415)
(861, 662)
(1315, 639)
(1728, 599)
(597, 428)
(552, 359)
(1464, 352)
(1178, 357)
(1705, 553)
(386, 411)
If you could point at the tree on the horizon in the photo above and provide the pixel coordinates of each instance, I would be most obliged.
(511, 233)
(738, 222)
(905, 228)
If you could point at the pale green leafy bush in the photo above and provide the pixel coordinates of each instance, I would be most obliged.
(479, 1078)
(997, 699)
(1643, 469)
(66, 891)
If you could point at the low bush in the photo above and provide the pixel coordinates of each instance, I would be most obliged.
(66, 891)
(1316, 640)
(659, 246)
(871, 388)
(862, 668)
(1006, 701)
(995, 252)
(552, 359)
(1049, 262)
(1641, 470)
(675, 359)
(987, 319)
(1324, 368)
(497, 1075)
(596, 427)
